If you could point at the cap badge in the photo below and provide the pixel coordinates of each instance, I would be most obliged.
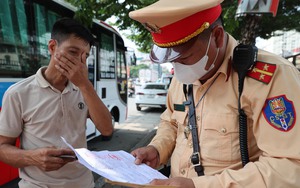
(152, 27)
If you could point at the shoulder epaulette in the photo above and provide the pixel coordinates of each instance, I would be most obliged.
(262, 72)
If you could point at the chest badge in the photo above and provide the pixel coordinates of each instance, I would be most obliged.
(280, 113)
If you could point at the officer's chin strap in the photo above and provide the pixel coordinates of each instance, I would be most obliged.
(195, 158)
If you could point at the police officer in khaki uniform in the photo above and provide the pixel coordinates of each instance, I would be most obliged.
(191, 36)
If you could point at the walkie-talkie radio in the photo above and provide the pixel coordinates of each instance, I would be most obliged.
(244, 57)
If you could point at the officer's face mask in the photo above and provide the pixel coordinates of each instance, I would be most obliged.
(188, 74)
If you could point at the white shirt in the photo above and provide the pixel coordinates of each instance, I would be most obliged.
(40, 114)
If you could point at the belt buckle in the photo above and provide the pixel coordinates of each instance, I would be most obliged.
(195, 159)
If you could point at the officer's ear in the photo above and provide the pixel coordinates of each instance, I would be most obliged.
(218, 33)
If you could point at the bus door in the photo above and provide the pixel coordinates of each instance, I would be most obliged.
(91, 63)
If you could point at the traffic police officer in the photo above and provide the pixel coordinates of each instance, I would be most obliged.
(190, 34)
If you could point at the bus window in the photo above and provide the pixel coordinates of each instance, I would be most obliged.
(91, 65)
(107, 57)
(13, 38)
(44, 20)
(122, 75)
(43, 32)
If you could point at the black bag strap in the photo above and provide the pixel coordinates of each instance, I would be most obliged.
(195, 158)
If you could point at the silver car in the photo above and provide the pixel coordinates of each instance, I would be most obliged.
(151, 95)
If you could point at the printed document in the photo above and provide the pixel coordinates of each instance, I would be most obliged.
(117, 166)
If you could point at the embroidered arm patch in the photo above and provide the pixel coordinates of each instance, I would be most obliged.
(280, 113)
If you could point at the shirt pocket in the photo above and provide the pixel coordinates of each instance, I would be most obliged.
(180, 118)
(220, 138)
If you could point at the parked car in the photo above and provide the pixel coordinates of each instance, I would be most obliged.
(151, 95)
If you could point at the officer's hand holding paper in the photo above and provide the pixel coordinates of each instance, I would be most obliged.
(117, 166)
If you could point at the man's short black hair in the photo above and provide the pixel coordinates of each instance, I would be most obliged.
(65, 27)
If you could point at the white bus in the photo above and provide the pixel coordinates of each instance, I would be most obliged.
(25, 27)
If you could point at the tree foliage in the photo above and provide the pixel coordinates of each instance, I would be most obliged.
(288, 18)
(134, 70)
(105, 9)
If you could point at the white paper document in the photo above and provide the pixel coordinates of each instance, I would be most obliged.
(116, 166)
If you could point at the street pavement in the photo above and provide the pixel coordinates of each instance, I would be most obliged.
(134, 132)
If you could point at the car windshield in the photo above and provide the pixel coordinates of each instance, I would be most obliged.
(154, 86)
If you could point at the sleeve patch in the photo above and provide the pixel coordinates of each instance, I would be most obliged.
(262, 72)
(280, 113)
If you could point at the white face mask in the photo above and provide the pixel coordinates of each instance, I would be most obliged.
(188, 74)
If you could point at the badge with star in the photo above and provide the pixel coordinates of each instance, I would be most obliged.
(262, 72)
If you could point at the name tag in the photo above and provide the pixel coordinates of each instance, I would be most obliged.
(179, 107)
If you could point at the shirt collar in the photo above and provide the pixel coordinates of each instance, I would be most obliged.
(43, 83)
(226, 65)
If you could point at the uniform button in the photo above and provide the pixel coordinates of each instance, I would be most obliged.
(198, 118)
(223, 130)
(191, 144)
(182, 171)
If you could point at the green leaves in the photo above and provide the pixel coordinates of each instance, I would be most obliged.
(288, 16)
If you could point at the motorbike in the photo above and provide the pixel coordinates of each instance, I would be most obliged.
(131, 92)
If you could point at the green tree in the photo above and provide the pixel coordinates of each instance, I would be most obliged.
(105, 9)
(134, 70)
(288, 16)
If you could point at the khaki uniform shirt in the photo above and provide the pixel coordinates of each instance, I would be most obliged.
(273, 146)
(41, 114)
